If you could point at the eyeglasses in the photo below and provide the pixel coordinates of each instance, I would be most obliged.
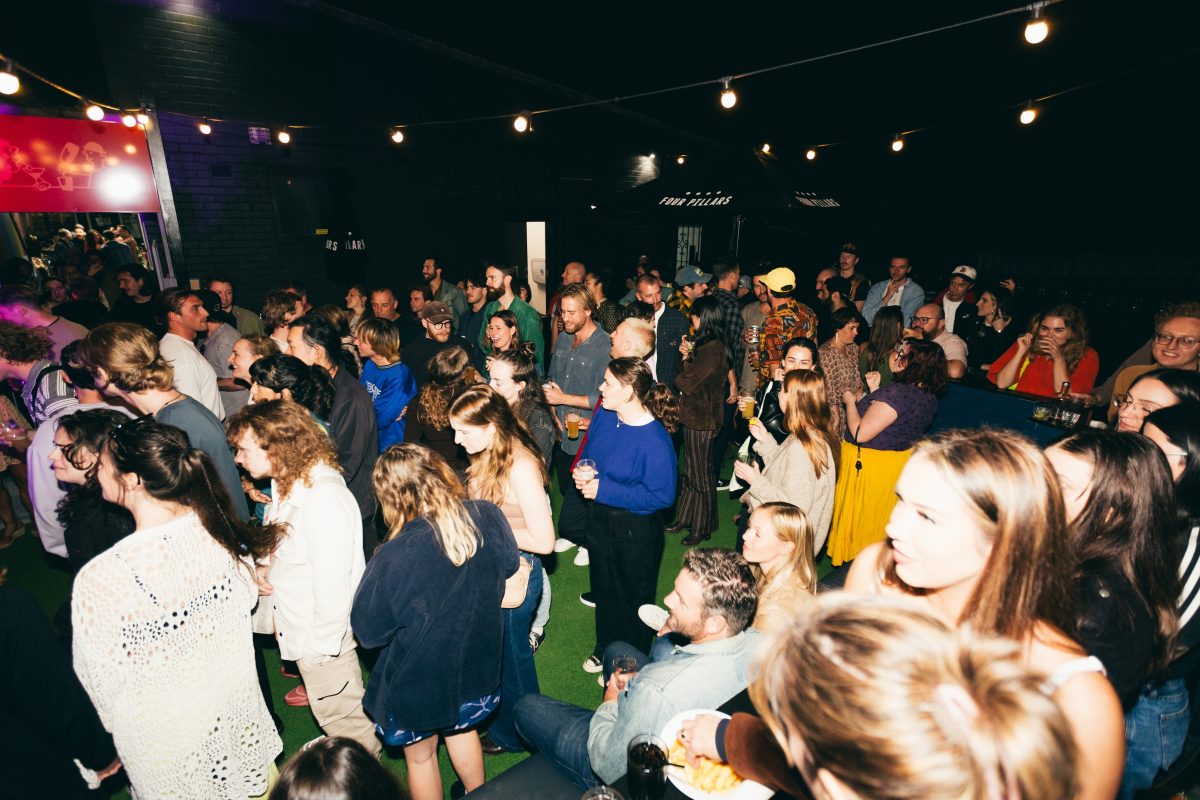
(1183, 341)
(1123, 401)
(68, 450)
(923, 320)
(445, 324)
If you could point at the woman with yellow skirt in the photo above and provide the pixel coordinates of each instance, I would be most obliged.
(881, 428)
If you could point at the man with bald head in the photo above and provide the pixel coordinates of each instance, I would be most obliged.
(930, 320)
(573, 272)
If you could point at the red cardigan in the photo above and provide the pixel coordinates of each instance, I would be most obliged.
(1038, 377)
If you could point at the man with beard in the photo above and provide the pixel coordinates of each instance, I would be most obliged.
(713, 601)
(500, 296)
(471, 322)
(443, 291)
(436, 319)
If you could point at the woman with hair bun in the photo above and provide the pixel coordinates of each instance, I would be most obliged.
(631, 477)
(875, 699)
(284, 377)
(169, 606)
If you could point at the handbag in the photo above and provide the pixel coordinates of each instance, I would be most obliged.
(516, 585)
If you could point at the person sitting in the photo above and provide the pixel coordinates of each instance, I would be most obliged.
(874, 699)
(900, 291)
(1174, 345)
(779, 545)
(1058, 355)
(1160, 388)
(388, 380)
(978, 536)
(712, 603)
(335, 768)
(995, 332)
(886, 332)
(932, 327)
(431, 598)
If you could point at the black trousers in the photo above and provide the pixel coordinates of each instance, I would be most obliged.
(625, 552)
(573, 514)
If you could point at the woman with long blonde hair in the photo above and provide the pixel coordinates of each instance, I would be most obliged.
(979, 536)
(430, 598)
(802, 470)
(507, 469)
(778, 546)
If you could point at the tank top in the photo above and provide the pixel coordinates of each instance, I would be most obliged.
(1070, 669)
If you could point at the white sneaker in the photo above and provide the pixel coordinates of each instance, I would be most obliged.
(654, 616)
(592, 664)
(562, 545)
(581, 558)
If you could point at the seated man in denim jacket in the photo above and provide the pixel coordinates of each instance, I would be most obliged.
(713, 603)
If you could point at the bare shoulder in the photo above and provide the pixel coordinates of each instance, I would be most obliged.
(863, 577)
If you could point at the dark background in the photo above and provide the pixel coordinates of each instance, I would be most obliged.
(1096, 198)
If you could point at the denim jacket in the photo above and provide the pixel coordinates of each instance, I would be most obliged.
(693, 676)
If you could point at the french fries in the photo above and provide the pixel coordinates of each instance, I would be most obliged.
(714, 777)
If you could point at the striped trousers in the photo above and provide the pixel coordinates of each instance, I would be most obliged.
(697, 508)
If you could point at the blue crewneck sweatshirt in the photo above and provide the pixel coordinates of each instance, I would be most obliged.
(391, 388)
(636, 463)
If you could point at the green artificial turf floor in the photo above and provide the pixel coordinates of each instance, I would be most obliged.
(569, 636)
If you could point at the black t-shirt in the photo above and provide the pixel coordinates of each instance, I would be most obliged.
(417, 353)
(127, 309)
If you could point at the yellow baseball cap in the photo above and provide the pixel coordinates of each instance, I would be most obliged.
(780, 280)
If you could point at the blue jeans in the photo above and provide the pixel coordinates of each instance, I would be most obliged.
(559, 731)
(1156, 729)
(518, 677)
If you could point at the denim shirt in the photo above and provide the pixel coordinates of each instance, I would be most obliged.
(693, 676)
(579, 370)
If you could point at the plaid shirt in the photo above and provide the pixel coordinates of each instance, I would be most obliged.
(732, 325)
(785, 322)
(683, 304)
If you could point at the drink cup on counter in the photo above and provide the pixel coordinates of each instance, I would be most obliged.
(646, 763)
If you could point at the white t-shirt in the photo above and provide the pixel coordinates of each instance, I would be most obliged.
(194, 376)
(950, 307)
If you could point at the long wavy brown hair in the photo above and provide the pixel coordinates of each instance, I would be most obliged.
(1077, 345)
(450, 372)
(293, 440)
(479, 407)
(808, 418)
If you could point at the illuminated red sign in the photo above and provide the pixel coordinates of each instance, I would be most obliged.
(50, 164)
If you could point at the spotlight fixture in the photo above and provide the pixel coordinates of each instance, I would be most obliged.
(1028, 114)
(523, 123)
(284, 137)
(397, 135)
(9, 82)
(94, 112)
(897, 144)
(129, 120)
(810, 154)
(681, 160)
(204, 127)
(1037, 29)
(728, 95)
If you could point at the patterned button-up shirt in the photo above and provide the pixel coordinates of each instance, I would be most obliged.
(785, 322)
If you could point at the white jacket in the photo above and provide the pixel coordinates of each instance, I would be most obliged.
(316, 568)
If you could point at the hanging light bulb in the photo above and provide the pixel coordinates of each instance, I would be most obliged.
(1037, 29)
(810, 154)
(143, 118)
(1028, 114)
(9, 82)
(766, 148)
(284, 137)
(397, 135)
(204, 127)
(523, 123)
(681, 160)
(128, 120)
(728, 95)
(897, 144)
(94, 112)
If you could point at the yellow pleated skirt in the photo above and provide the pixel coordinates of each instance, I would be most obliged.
(864, 499)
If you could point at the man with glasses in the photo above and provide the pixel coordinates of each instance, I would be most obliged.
(436, 319)
(931, 322)
(1174, 345)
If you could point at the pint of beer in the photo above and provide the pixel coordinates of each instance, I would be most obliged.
(572, 425)
(746, 404)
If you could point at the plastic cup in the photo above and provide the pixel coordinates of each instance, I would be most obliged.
(746, 404)
(646, 762)
(572, 425)
(585, 470)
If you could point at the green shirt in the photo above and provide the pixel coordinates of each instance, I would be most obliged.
(529, 325)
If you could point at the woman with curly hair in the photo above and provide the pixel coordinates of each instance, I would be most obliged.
(507, 469)
(311, 574)
(450, 373)
(882, 427)
(1059, 354)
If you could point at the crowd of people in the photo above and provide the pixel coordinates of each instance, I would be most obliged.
(1002, 619)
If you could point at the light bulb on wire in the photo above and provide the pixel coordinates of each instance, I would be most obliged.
(681, 160)
(523, 123)
(1037, 29)
(766, 148)
(897, 144)
(93, 112)
(284, 137)
(1028, 114)
(397, 135)
(729, 97)
(129, 120)
(810, 154)
(205, 127)
(9, 82)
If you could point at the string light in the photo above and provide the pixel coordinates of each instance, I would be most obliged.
(94, 112)
(9, 82)
(1037, 29)
(766, 148)
(897, 144)
(129, 120)
(284, 137)
(205, 127)
(142, 117)
(729, 97)
(397, 135)
(522, 123)
(810, 154)
(681, 160)
(1028, 114)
